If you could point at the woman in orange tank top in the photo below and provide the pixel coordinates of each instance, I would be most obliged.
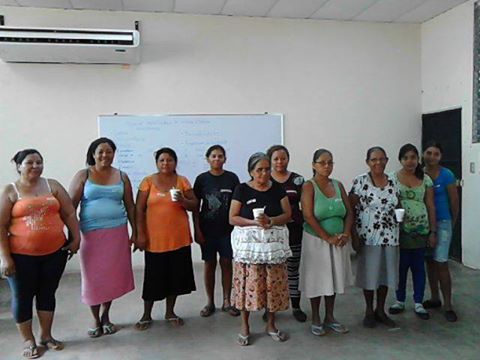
(163, 231)
(33, 213)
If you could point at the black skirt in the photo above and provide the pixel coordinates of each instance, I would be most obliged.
(168, 273)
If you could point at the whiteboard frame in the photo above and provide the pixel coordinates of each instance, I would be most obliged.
(282, 128)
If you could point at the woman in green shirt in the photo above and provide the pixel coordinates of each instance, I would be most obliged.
(418, 229)
(325, 268)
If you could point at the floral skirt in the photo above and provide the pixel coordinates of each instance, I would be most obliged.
(260, 286)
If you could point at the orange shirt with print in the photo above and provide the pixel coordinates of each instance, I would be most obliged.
(167, 224)
(36, 227)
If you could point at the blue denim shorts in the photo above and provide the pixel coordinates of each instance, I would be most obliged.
(444, 239)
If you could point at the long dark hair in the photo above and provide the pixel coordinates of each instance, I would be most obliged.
(407, 148)
(93, 147)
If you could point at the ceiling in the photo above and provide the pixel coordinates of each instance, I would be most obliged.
(400, 11)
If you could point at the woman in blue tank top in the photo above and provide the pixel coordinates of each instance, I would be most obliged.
(106, 204)
(447, 208)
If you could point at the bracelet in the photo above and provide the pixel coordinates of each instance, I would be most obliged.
(270, 222)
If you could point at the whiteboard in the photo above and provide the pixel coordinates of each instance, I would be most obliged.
(138, 136)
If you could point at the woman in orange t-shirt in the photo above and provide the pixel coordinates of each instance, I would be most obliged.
(163, 231)
(33, 213)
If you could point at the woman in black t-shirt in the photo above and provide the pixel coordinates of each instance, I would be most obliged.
(292, 184)
(260, 247)
(214, 189)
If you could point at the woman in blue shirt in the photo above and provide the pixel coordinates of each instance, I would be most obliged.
(104, 194)
(447, 206)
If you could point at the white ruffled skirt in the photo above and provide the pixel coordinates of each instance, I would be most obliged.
(255, 245)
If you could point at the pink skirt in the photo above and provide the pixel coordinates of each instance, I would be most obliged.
(106, 264)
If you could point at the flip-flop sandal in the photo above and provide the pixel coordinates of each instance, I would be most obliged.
(95, 332)
(109, 329)
(175, 321)
(337, 327)
(207, 311)
(232, 310)
(243, 340)
(318, 330)
(143, 325)
(30, 352)
(278, 335)
(52, 344)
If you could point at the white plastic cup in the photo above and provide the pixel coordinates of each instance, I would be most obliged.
(173, 193)
(399, 214)
(257, 212)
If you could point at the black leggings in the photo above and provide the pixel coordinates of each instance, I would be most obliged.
(35, 276)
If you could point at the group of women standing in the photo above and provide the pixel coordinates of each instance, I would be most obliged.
(285, 235)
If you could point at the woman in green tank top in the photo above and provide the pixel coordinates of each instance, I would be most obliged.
(325, 268)
(328, 211)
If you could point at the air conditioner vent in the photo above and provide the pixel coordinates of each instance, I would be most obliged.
(66, 36)
(69, 45)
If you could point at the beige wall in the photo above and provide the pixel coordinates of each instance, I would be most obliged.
(447, 75)
(341, 85)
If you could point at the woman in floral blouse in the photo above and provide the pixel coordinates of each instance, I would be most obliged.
(374, 197)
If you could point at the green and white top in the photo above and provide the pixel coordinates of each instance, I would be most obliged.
(415, 227)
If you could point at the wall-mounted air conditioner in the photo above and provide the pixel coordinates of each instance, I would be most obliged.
(60, 45)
